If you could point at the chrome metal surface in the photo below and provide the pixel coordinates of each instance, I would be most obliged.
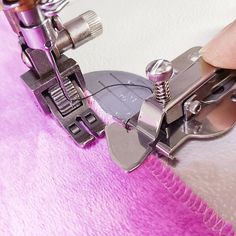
(80, 121)
(30, 18)
(49, 52)
(202, 107)
(129, 154)
(64, 106)
(160, 72)
(194, 107)
(91, 30)
(79, 31)
(56, 81)
(38, 33)
(42, 29)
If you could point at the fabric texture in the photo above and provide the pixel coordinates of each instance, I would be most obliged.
(49, 186)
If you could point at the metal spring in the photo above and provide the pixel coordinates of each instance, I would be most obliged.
(162, 92)
(51, 8)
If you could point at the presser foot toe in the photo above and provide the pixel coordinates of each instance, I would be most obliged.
(73, 114)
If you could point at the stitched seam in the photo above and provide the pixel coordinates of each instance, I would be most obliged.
(165, 175)
(185, 195)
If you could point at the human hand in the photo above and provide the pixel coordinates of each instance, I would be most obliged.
(221, 51)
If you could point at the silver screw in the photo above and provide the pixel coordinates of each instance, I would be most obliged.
(159, 72)
(194, 107)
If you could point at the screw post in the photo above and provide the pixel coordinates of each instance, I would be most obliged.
(160, 72)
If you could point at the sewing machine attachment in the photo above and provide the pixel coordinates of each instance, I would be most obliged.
(55, 80)
(192, 99)
(79, 120)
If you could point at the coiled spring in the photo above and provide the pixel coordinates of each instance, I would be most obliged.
(162, 92)
(51, 8)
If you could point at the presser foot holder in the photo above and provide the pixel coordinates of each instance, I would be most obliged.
(202, 106)
(78, 119)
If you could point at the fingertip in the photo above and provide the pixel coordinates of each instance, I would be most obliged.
(221, 50)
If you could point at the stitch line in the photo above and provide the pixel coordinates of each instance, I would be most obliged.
(184, 194)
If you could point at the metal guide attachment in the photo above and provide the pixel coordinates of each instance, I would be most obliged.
(192, 100)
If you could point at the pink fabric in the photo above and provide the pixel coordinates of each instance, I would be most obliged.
(48, 186)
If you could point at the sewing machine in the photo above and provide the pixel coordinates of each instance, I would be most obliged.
(191, 98)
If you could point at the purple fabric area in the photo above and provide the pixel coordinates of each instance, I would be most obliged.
(49, 186)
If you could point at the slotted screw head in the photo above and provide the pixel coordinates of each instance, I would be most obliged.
(159, 70)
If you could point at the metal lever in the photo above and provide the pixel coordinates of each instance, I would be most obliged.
(198, 101)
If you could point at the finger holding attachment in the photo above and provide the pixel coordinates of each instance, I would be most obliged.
(220, 51)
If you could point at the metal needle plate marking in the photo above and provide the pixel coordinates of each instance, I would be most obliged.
(122, 102)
